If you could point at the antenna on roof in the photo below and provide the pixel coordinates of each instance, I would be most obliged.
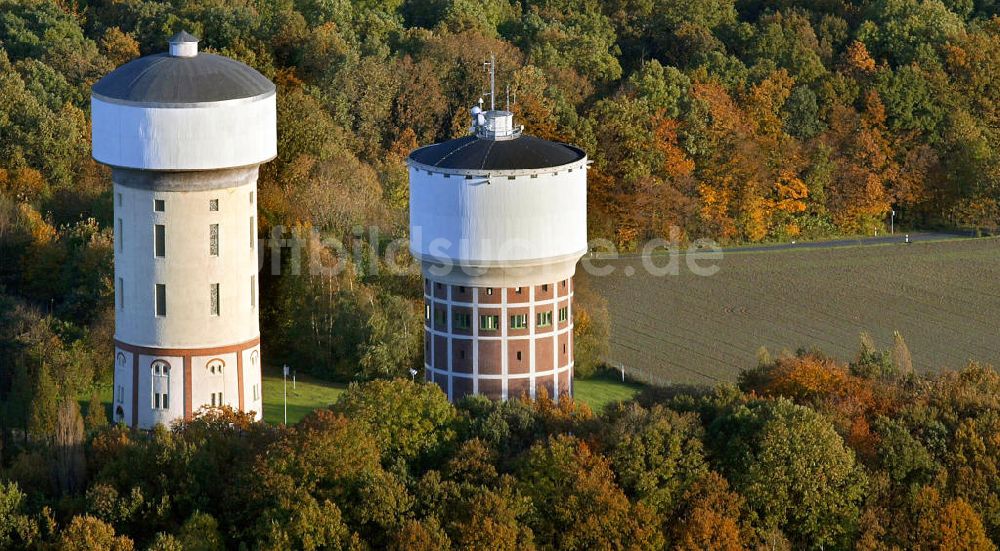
(491, 66)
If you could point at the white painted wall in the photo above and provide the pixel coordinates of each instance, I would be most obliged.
(204, 383)
(222, 134)
(187, 269)
(251, 378)
(123, 378)
(498, 221)
(148, 417)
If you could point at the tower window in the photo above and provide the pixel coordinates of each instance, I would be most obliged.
(563, 314)
(251, 197)
(121, 294)
(118, 235)
(253, 291)
(545, 288)
(544, 319)
(519, 321)
(160, 384)
(214, 294)
(489, 291)
(213, 239)
(160, 240)
(213, 205)
(564, 349)
(427, 312)
(215, 367)
(461, 320)
(517, 290)
(518, 355)
(461, 354)
(253, 232)
(119, 197)
(161, 299)
(217, 399)
(159, 205)
(440, 317)
(489, 323)
(256, 392)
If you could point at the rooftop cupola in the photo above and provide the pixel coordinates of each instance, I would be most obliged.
(183, 44)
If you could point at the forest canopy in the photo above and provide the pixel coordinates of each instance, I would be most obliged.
(736, 120)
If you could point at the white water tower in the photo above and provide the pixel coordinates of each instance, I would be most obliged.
(498, 220)
(184, 134)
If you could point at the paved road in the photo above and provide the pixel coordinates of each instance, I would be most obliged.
(856, 242)
(915, 237)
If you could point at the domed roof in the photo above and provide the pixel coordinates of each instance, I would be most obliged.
(182, 79)
(475, 153)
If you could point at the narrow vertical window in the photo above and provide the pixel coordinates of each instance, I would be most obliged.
(253, 291)
(159, 238)
(121, 294)
(251, 197)
(161, 299)
(214, 291)
(253, 232)
(118, 235)
(213, 205)
(213, 239)
(159, 205)
(119, 197)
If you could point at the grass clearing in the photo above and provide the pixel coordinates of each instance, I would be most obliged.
(603, 389)
(307, 395)
(942, 296)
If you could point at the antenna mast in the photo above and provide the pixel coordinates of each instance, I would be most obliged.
(492, 65)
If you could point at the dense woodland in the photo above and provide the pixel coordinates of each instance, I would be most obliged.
(738, 120)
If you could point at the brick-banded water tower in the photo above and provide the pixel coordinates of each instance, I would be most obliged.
(184, 134)
(498, 220)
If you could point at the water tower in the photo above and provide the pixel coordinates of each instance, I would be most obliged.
(184, 134)
(498, 220)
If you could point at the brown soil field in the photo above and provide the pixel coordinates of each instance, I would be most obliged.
(944, 297)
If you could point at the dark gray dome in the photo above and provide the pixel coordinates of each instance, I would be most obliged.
(162, 78)
(474, 153)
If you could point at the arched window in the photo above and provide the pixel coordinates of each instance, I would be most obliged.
(215, 366)
(120, 389)
(119, 415)
(160, 384)
(254, 357)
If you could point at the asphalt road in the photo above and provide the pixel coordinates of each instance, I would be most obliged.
(856, 242)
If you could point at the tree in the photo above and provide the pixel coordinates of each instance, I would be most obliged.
(411, 422)
(87, 533)
(69, 439)
(44, 405)
(901, 360)
(656, 454)
(95, 413)
(793, 468)
(710, 517)
(15, 526)
(200, 532)
(576, 503)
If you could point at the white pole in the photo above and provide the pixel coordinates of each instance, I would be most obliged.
(293, 380)
(284, 383)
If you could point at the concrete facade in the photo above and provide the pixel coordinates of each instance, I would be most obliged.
(187, 333)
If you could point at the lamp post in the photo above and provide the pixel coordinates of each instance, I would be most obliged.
(284, 381)
(892, 223)
(413, 375)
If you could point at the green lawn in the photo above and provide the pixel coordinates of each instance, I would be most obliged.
(600, 390)
(308, 394)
